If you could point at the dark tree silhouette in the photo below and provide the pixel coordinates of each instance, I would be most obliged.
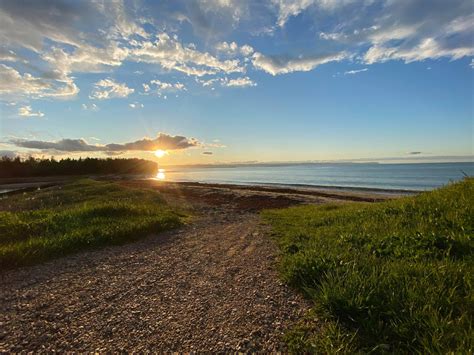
(50, 167)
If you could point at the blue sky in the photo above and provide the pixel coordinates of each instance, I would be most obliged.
(212, 81)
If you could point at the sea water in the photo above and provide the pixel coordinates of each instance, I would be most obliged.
(422, 176)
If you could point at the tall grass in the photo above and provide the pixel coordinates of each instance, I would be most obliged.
(40, 225)
(388, 277)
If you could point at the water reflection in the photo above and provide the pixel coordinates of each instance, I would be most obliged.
(161, 174)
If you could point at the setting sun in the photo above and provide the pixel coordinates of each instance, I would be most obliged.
(160, 153)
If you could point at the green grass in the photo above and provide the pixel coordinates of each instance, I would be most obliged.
(390, 277)
(44, 224)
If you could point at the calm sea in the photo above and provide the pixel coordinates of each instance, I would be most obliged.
(424, 176)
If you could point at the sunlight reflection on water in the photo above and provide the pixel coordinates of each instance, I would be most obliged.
(424, 176)
(161, 174)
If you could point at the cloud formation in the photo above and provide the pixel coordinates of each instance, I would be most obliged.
(15, 84)
(289, 8)
(353, 72)
(233, 49)
(404, 30)
(276, 65)
(136, 105)
(171, 54)
(160, 88)
(162, 141)
(239, 82)
(109, 89)
(46, 45)
(91, 107)
(26, 111)
(242, 82)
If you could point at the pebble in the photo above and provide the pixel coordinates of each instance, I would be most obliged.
(180, 291)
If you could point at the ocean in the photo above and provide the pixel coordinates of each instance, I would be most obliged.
(423, 176)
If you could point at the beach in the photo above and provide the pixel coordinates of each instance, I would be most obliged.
(211, 284)
(142, 264)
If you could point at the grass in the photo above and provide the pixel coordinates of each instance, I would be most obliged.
(86, 214)
(389, 277)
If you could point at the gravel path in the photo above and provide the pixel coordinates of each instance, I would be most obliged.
(209, 286)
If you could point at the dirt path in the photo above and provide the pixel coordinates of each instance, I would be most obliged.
(211, 285)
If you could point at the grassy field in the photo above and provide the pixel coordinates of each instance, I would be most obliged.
(44, 224)
(387, 277)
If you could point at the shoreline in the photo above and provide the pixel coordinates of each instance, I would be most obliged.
(11, 185)
(261, 195)
(308, 187)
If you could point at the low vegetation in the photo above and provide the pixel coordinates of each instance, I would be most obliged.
(388, 277)
(14, 168)
(53, 222)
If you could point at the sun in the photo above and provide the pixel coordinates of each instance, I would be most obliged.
(160, 153)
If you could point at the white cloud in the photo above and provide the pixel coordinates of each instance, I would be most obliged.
(91, 107)
(7, 55)
(173, 55)
(283, 65)
(226, 82)
(160, 87)
(331, 36)
(48, 28)
(61, 38)
(429, 48)
(86, 58)
(209, 82)
(240, 82)
(353, 72)
(122, 24)
(227, 48)
(26, 111)
(108, 89)
(136, 105)
(233, 49)
(405, 30)
(289, 8)
(12, 83)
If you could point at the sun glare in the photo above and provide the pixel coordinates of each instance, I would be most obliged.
(160, 153)
(161, 174)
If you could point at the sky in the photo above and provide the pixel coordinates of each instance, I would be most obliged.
(225, 81)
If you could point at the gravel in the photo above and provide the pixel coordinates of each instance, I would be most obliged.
(209, 286)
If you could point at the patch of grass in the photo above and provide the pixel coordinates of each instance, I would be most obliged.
(390, 277)
(49, 223)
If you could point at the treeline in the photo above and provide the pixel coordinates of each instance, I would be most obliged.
(17, 167)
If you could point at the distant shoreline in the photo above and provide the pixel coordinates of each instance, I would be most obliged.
(469, 160)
